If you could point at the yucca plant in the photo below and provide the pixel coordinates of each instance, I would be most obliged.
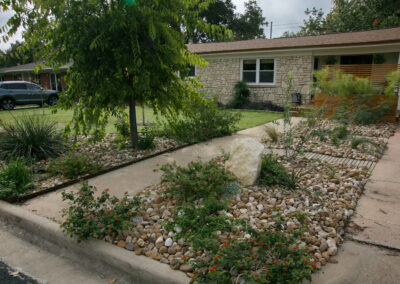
(31, 137)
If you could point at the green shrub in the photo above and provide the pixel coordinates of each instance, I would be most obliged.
(201, 121)
(198, 180)
(268, 257)
(15, 179)
(72, 165)
(340, 132)
(199, 223)
(122, 126)
(31, 137)
(357, 141)
(88, 216)
(146, 138)
(274, 173)
(357, 96)
(241, 95)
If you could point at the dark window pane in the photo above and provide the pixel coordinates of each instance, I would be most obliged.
(249, 77)
(356, 59)
(250, 65)
(266, 77)
(192, 71)
(17, 86)
(266, 64)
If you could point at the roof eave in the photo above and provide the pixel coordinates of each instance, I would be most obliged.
(297, 47)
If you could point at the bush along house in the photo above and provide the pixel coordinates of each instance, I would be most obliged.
(46, 77)
(265, 63)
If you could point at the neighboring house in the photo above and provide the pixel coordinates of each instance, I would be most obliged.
(47, 77)
(265, 63)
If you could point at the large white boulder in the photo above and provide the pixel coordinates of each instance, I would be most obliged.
(245, 160)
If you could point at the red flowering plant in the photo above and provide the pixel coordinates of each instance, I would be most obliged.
(89, 216)
(271, 256)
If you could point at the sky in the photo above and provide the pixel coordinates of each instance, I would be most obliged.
(286, 15)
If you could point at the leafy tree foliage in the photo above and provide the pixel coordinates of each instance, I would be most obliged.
(250, 24)
(243, 26)
(123, 52)
(17, 54)
(352, 15)
(220, 12)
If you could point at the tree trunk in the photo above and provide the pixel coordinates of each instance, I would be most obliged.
(133, 124)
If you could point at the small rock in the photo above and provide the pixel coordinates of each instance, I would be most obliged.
(186, 268)
(129, 246)
(168, 242)
(121, 244)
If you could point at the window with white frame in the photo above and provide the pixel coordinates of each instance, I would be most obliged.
(258, 71)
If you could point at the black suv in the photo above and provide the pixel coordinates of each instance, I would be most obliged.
(14, 93)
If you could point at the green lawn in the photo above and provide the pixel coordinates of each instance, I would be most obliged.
(249, 118)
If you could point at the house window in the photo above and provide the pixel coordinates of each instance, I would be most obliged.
(192, 71)
(55, 82)
(258, 71)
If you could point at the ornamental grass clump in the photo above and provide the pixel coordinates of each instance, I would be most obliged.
(31, 137)
(89, 216)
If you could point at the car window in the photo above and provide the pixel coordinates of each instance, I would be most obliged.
(33, 87)
(16, 86)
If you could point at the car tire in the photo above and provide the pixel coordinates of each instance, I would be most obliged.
(8, 104)
(52, 100)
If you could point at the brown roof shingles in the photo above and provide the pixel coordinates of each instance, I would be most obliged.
(337, 39)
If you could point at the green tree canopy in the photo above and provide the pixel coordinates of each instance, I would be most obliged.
(123, 54)
(352, 15)
(248, 25)
(17, 54)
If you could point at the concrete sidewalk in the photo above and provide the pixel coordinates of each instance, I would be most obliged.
(371, 253)
(133, 179)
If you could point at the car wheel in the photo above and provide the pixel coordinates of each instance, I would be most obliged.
(8, 104)
(52, 101)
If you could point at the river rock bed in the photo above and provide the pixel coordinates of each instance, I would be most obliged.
(375, 139)
(327, 197)
(105, 154)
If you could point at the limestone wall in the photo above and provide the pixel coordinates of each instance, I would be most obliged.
(220, 76)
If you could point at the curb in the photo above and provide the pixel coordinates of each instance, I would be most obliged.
(139, 269)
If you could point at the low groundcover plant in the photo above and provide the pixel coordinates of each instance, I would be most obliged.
(97, 217)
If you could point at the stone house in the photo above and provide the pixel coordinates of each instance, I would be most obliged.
(265, 63)
(46, 77)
